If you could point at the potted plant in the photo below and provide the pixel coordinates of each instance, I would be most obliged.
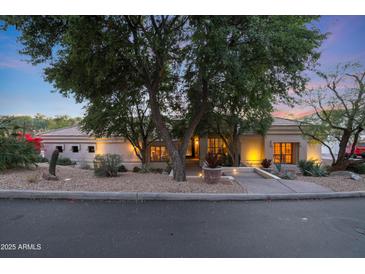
(211, 169)
(266, 164)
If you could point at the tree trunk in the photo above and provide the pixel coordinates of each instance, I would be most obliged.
(178, 165)
(356, 139)
(145, 159)
(341, 163)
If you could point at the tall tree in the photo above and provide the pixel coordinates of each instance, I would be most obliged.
(179, 60)
(126, 116)
(339, 111)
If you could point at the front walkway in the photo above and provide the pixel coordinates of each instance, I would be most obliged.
(255, 184)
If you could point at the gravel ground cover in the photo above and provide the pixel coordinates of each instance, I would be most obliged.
(75, 179)
(337, 183)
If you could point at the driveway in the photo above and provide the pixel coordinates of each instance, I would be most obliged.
(255, 184)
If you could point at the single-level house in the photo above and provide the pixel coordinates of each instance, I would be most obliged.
(283, 143)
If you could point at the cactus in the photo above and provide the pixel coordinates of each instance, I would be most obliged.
(53, 162)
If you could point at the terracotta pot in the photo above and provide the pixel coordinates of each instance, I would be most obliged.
(212, 175)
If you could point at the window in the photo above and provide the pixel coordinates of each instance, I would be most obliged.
(283, 153)
(91, 149)
(75, 149)
(59, 148)
(158, 153)
(216, 146)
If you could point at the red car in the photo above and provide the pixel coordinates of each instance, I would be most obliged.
(359, 150)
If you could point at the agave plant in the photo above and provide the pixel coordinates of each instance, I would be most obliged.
(212, 160)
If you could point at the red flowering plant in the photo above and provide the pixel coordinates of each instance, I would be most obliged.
(36, 141)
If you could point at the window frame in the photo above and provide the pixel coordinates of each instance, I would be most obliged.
(283, 152)
(88, 149)
(159, 150)
(78, 149)
(219, 147)
(60, 150)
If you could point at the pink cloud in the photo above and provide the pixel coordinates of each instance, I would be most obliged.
(10, 63)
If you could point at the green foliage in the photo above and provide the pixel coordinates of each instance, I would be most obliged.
(339, 115)
(137, 169)
(122, 168)
(186, 64)
(36, 124)
(226, 160)
(41, 159)
(278, 167)
(16, 152)
(53, 162)
(312, 168)
(5, 126)
(107, 165)
(123, 115)
(360, 169)
(65, 161)
(168, 167)
(287, 175)
(156, 170)
(363, 155)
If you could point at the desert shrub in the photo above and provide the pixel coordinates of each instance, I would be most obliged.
(122, 168)
(84, 165)
(287, 175)
(212, 160)
(64, 161)
(107, 165)
(266, 163)
(136, 169)
(226, 160)
(156, 170)
(360, 169)
(168, 167)
(278, 167)
(16, 152)
(312, 168)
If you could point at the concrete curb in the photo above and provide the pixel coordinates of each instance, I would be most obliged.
(161, 196)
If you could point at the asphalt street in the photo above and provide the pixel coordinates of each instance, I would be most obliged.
(56, 228)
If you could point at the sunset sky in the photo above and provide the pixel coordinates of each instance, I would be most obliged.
(23, 90)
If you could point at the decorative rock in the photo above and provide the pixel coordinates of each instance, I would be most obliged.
(355, 177)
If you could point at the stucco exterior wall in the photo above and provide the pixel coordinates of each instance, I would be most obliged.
(252, 149)
(121, 147)
(314, 151)
(82, 155)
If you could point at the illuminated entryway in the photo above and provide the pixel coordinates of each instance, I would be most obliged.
(193, 148)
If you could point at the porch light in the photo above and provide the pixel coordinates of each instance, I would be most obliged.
(200, 174)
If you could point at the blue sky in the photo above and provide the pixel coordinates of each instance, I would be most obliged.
(23, 90)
